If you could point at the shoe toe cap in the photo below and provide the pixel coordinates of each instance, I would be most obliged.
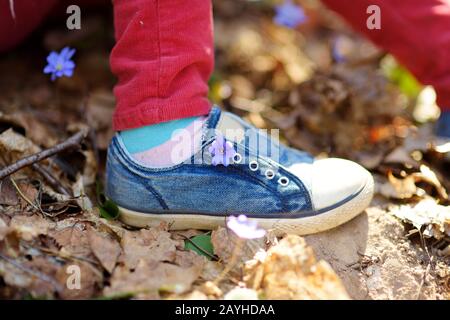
(334, 180)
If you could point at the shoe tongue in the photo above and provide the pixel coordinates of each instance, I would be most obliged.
(213, 118)
(223, 123)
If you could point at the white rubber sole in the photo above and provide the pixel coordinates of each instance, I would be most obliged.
(300, 226)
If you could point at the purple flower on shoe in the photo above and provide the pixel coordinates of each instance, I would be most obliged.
(245, 228)
(222, 151)
(289, 15)
(59, 64)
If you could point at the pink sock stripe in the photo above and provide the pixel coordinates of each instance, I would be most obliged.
(161, 156)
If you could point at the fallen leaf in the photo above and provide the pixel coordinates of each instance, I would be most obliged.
(8, 195)
(428, 176)
(152, 277)
(4, 229)
(224, 242)
(35, 275)
(73, 240)
(289, 270)
(399, 188)
(426, 214)
(30, 226)
(200, 244)
(153, 244)
(105, 248)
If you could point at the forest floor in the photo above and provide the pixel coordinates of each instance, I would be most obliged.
(54, 219)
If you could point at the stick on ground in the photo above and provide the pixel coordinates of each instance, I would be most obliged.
(72, 142)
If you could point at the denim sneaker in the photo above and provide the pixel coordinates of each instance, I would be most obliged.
(442, 131)
(238, 170)
(443, 125)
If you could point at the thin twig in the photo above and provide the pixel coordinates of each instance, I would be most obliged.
(72, 142)
(51, 180)
(424, 277)
(59, 255)
(35, 273)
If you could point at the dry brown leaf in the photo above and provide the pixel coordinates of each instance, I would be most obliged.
(189, 258)
(8, 194)
(38, 279)
(183, 234)
(39, 132)
(152, 277)
(399, 188)
(4, 229)
(16, 146)
(105, 248)
(73, 240)
(28, 227)
(289, 270)
(224, 242)
(153, 244)
(28, 193)
(426, 214)
(428, 176)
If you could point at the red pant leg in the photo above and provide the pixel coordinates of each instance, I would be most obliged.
(416, 32)
(28, 15)
(163, 59)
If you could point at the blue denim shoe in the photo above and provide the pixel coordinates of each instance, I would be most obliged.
(443, 125)
(239, 170)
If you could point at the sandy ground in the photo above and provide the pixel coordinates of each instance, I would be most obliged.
(376, 260)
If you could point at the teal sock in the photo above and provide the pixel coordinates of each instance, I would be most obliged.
(145, 138)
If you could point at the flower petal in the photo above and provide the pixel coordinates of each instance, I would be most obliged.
(69, 64)
(52, 58)
(70, 54)
(68, 72)
(49, 69)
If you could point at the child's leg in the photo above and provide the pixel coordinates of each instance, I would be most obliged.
(416, 32)
(19, 18)
(163, 59)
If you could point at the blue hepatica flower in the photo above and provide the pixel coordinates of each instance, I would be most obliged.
(289, 15)
(222, 151)
(245, 228)
(59, 64)
(337, 50)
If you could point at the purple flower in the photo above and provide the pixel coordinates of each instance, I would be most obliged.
(336, 50)
(59, 64)
(289, 15)
(245, 228)
(222, 151)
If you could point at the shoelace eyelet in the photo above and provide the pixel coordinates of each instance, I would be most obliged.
(283, 181)
(253, 165)
(237, 158)
(269, 174)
